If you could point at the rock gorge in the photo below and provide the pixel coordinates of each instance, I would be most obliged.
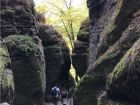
(33, 56)
(113, 74)
(106, 56)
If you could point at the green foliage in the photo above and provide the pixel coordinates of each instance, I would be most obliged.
(24, 43)
(64, 17)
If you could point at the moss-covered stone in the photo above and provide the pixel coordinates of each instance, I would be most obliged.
(119, 23)
(115, 100)
(125, 75)
(79, 53)
(25, 44)
(28, 69)
(98, 73)
(6, 76)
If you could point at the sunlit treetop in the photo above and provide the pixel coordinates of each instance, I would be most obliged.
(64, 16)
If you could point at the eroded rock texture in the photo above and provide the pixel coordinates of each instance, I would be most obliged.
(28, 66)
(17, 17)
(81, 47)
(18, 24)
(57, 58)
(116, 53)
(19, 30)
(7, 86)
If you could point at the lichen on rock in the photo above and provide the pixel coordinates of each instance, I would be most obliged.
(6, 76)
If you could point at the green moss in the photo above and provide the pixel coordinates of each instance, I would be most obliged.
(120, 22)
(27, 9)
(23, 43)
(120, 67)
(87, 90)
(27, 14)
(101, 99)
(9, 13)
(3, 52)
(7, 82)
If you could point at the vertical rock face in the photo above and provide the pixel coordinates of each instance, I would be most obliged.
(6, 76)
(17, 16)
(28, 65)
(19, 30)
(97, 10)
(26, 51)
(81, 47)
(57, 58)
(115, 29)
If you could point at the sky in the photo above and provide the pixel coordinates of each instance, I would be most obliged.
(75, 2)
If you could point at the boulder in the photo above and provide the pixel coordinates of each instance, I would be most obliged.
(80, 52)
(7, 86)
(28, 66)
(125, 77)
(17, 17)
(103, 99)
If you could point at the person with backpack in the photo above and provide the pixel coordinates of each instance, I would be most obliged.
(55, 93)
(64, 96)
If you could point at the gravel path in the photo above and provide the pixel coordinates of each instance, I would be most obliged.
(70, 102)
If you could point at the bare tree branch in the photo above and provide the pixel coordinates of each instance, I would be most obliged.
(66, 3)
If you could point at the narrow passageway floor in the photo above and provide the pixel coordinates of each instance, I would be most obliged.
(70, 102)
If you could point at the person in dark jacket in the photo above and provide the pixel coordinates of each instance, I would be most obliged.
(64, 96)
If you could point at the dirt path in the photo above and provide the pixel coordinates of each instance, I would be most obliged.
(70, 102)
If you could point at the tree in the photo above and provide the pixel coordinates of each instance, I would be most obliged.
(64, 17)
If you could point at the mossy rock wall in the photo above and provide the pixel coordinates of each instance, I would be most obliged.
(18, 29)
(103, 99)
(28, 70)
(93, 82)
(125, 77)
(81, 46)
(7, 86)
(17, 17)
(57, 59)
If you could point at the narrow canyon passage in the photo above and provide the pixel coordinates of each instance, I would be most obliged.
(92, 50)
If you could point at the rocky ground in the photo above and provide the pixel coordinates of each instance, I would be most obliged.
(70, 102)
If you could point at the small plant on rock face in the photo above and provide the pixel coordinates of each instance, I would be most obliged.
(23, 43)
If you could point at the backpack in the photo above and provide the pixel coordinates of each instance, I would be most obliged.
(54, 92)
(64, 95)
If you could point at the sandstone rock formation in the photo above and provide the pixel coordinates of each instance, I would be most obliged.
(81, 46)
(114, 54)
(26, 51)
(57, 58)
(28, 64)
(7, 86)
(17, 17)
(19, 29)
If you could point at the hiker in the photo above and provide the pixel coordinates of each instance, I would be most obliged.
(64, 96)
(55, 93)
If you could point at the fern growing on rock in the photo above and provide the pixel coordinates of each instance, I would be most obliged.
(24, 44)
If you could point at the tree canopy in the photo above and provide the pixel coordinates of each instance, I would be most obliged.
(64, 16)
